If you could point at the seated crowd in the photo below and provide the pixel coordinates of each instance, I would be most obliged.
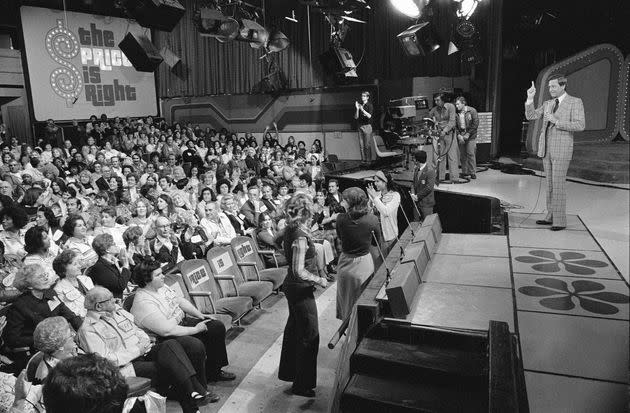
(87, 220)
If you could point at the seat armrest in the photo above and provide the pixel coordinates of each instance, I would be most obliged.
(228, 277)
(250, 264)
(204, 294)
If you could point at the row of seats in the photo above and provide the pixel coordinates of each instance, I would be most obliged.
(229, 283)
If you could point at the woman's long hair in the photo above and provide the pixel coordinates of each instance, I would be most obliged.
(299, 210)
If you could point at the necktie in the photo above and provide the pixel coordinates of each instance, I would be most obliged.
(555, 108)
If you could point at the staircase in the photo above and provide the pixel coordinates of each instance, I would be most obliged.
(402, 368)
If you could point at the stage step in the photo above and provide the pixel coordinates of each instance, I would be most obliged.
(366, 393)
(439, 364)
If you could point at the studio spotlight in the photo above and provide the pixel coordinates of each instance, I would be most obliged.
(411, 8)
(467, 8)
(253, 33)
(419, 39)
(277, 41)
(212, 23)
(292, 18)
(452, 48)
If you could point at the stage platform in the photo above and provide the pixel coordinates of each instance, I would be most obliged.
(560, 294)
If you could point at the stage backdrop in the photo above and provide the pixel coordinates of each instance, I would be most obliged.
(75, 68)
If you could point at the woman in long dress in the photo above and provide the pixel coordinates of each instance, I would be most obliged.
(298, 361)
(356, 230)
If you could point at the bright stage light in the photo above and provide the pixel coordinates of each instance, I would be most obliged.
(411, 8)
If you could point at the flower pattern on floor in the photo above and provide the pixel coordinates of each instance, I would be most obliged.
(589, 294)
(573, 262)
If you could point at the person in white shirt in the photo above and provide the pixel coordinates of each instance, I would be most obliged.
(109, 226)
(72, 286)
(386, 203)
(217, 225)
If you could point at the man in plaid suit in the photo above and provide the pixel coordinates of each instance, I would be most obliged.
(563, 115)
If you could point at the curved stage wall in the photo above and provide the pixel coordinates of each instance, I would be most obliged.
(596, 76)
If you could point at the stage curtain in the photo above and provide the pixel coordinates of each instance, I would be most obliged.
(210, 68)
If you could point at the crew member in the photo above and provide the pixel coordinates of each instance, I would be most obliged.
(444, 114)
(363, 115)
(467, 124)
(423, 184)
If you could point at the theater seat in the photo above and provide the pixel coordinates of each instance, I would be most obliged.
(249, 260)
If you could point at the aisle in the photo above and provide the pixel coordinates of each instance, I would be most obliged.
(572, 318)
(261, 391)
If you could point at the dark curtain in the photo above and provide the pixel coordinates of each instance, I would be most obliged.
(210, 68)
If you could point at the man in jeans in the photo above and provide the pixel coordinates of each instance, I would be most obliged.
(363, 115)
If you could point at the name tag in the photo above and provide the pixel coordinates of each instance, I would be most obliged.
(241, 216)
(276, 201)
(57, 235)
(196, 238)
(423, 182)
(54, 303)
(263, 208)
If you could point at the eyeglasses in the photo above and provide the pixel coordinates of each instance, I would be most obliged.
(110, 299)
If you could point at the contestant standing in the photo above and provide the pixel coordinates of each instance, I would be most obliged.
(386, 202)
(355, 265)
(363, 115)
(562, 115)
(298, 361)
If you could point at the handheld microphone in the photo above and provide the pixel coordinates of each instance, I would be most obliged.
(388, 277)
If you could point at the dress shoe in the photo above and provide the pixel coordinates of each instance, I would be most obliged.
(464, 175)
(554, 228)
(222, 376)
(331, 269)
(473, 176)
(459, 181)
(446, 181)
(305, 393)
(543, 222)
(207, 398)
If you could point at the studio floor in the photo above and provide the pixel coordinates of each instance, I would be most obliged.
(569, 309)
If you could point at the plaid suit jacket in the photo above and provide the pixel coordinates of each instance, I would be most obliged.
(558, 141)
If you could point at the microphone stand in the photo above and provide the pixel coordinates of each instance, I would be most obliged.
(388, 272)
(413, 234)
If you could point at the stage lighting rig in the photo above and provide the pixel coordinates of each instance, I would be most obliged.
(467, 8)
(410, 8)
(213, 23)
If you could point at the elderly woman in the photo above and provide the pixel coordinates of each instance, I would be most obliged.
(37, 302)
(37, 246)
(162, 313)
(298, 360)
(54, 339)
(79, 240)
(111, 270)
(72, 286)
(356, 229)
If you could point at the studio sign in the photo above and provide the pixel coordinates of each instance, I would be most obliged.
(98, 53)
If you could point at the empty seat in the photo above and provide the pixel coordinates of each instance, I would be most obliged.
(248, 259)
(232, 282)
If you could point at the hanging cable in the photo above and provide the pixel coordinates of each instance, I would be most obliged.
(310, 56)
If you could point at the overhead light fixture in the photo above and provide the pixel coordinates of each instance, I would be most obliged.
(411, 8)
(213, 23)
(277, 41)
(292, 18)
(467, 8)
(452, 48)
(253, 33)
(419, 39)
